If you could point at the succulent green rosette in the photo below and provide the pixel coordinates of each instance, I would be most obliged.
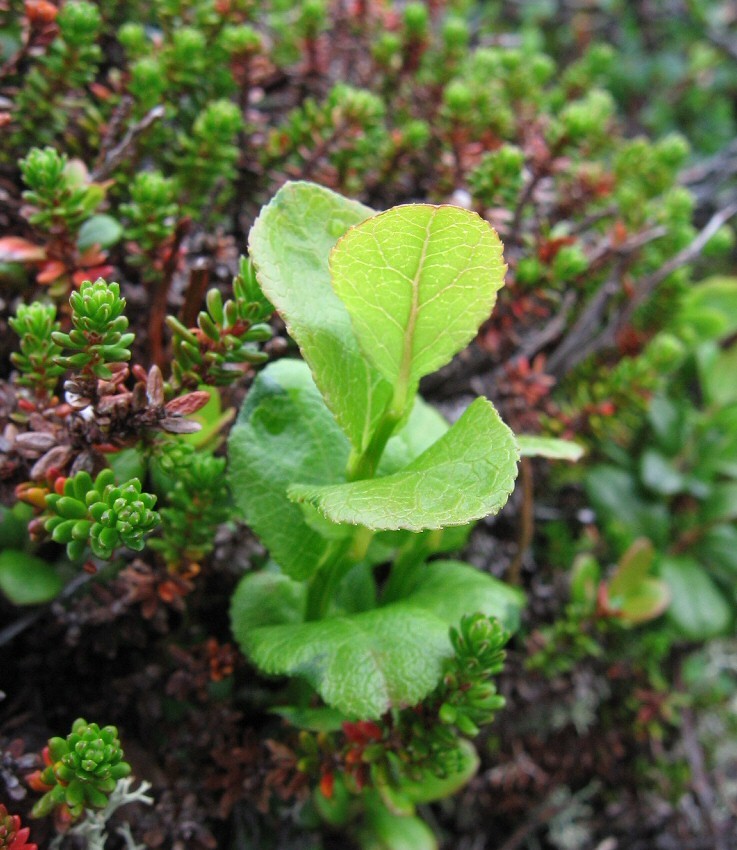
(82, 770)
(100, 513)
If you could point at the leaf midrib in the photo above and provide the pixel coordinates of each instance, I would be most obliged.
(405, 366)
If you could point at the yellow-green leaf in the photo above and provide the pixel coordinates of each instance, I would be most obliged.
(417, 281)
(465, 475)
(290, 244)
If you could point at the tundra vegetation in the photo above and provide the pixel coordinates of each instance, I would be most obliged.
(368, 452)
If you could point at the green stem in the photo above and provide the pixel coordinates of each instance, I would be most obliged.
(340, 559)
(324, 581)
(404, 566)
(342, 556)
(360, 543)
(364, 465)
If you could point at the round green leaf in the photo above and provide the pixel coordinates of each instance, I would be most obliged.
(284, 430)
(417, 281)
(698, 608)
(102, 230)
(384, 830)
(365, 663)
(27, 580)
(646, 602)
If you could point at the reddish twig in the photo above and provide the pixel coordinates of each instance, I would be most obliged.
(160, 297)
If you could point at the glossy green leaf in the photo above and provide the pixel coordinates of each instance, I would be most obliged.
(290, 245)
(417, 280)
(266, 598)
(27, 580)
(698, 608)
(212, 418)
(102, 230)
(315, 719)
(717, 550)
(719, 384)
(585, 578)
(467, 474)
(128, 463)
(647, 601)
(284, 430)
(667, 420)
(363, 664)
(14, 525)
(549, 447)
(357, 590)
(633, 567)
(452, 589)
(632, 592)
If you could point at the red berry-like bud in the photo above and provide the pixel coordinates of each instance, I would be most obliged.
(327, 784)
(40, 11)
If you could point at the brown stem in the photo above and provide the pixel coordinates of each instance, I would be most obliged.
(527, 521)
(199, 277)
(117, 154)
(322, 148)
(160, 297)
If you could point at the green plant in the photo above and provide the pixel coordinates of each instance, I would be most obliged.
(169, 123)
(25, 579)
(197, 502)
(209, 155)
(339, 466)
(81, 770)
(98, 339)
(151, 216)
(62, 201)
(410, 755)
(54, 192)
(100, 514)
(70, 62)
(674, 481)
(37, 360)
(600, 604)
(221, 347)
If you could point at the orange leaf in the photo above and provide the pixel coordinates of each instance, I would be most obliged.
(13, 249)
(51, 271)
